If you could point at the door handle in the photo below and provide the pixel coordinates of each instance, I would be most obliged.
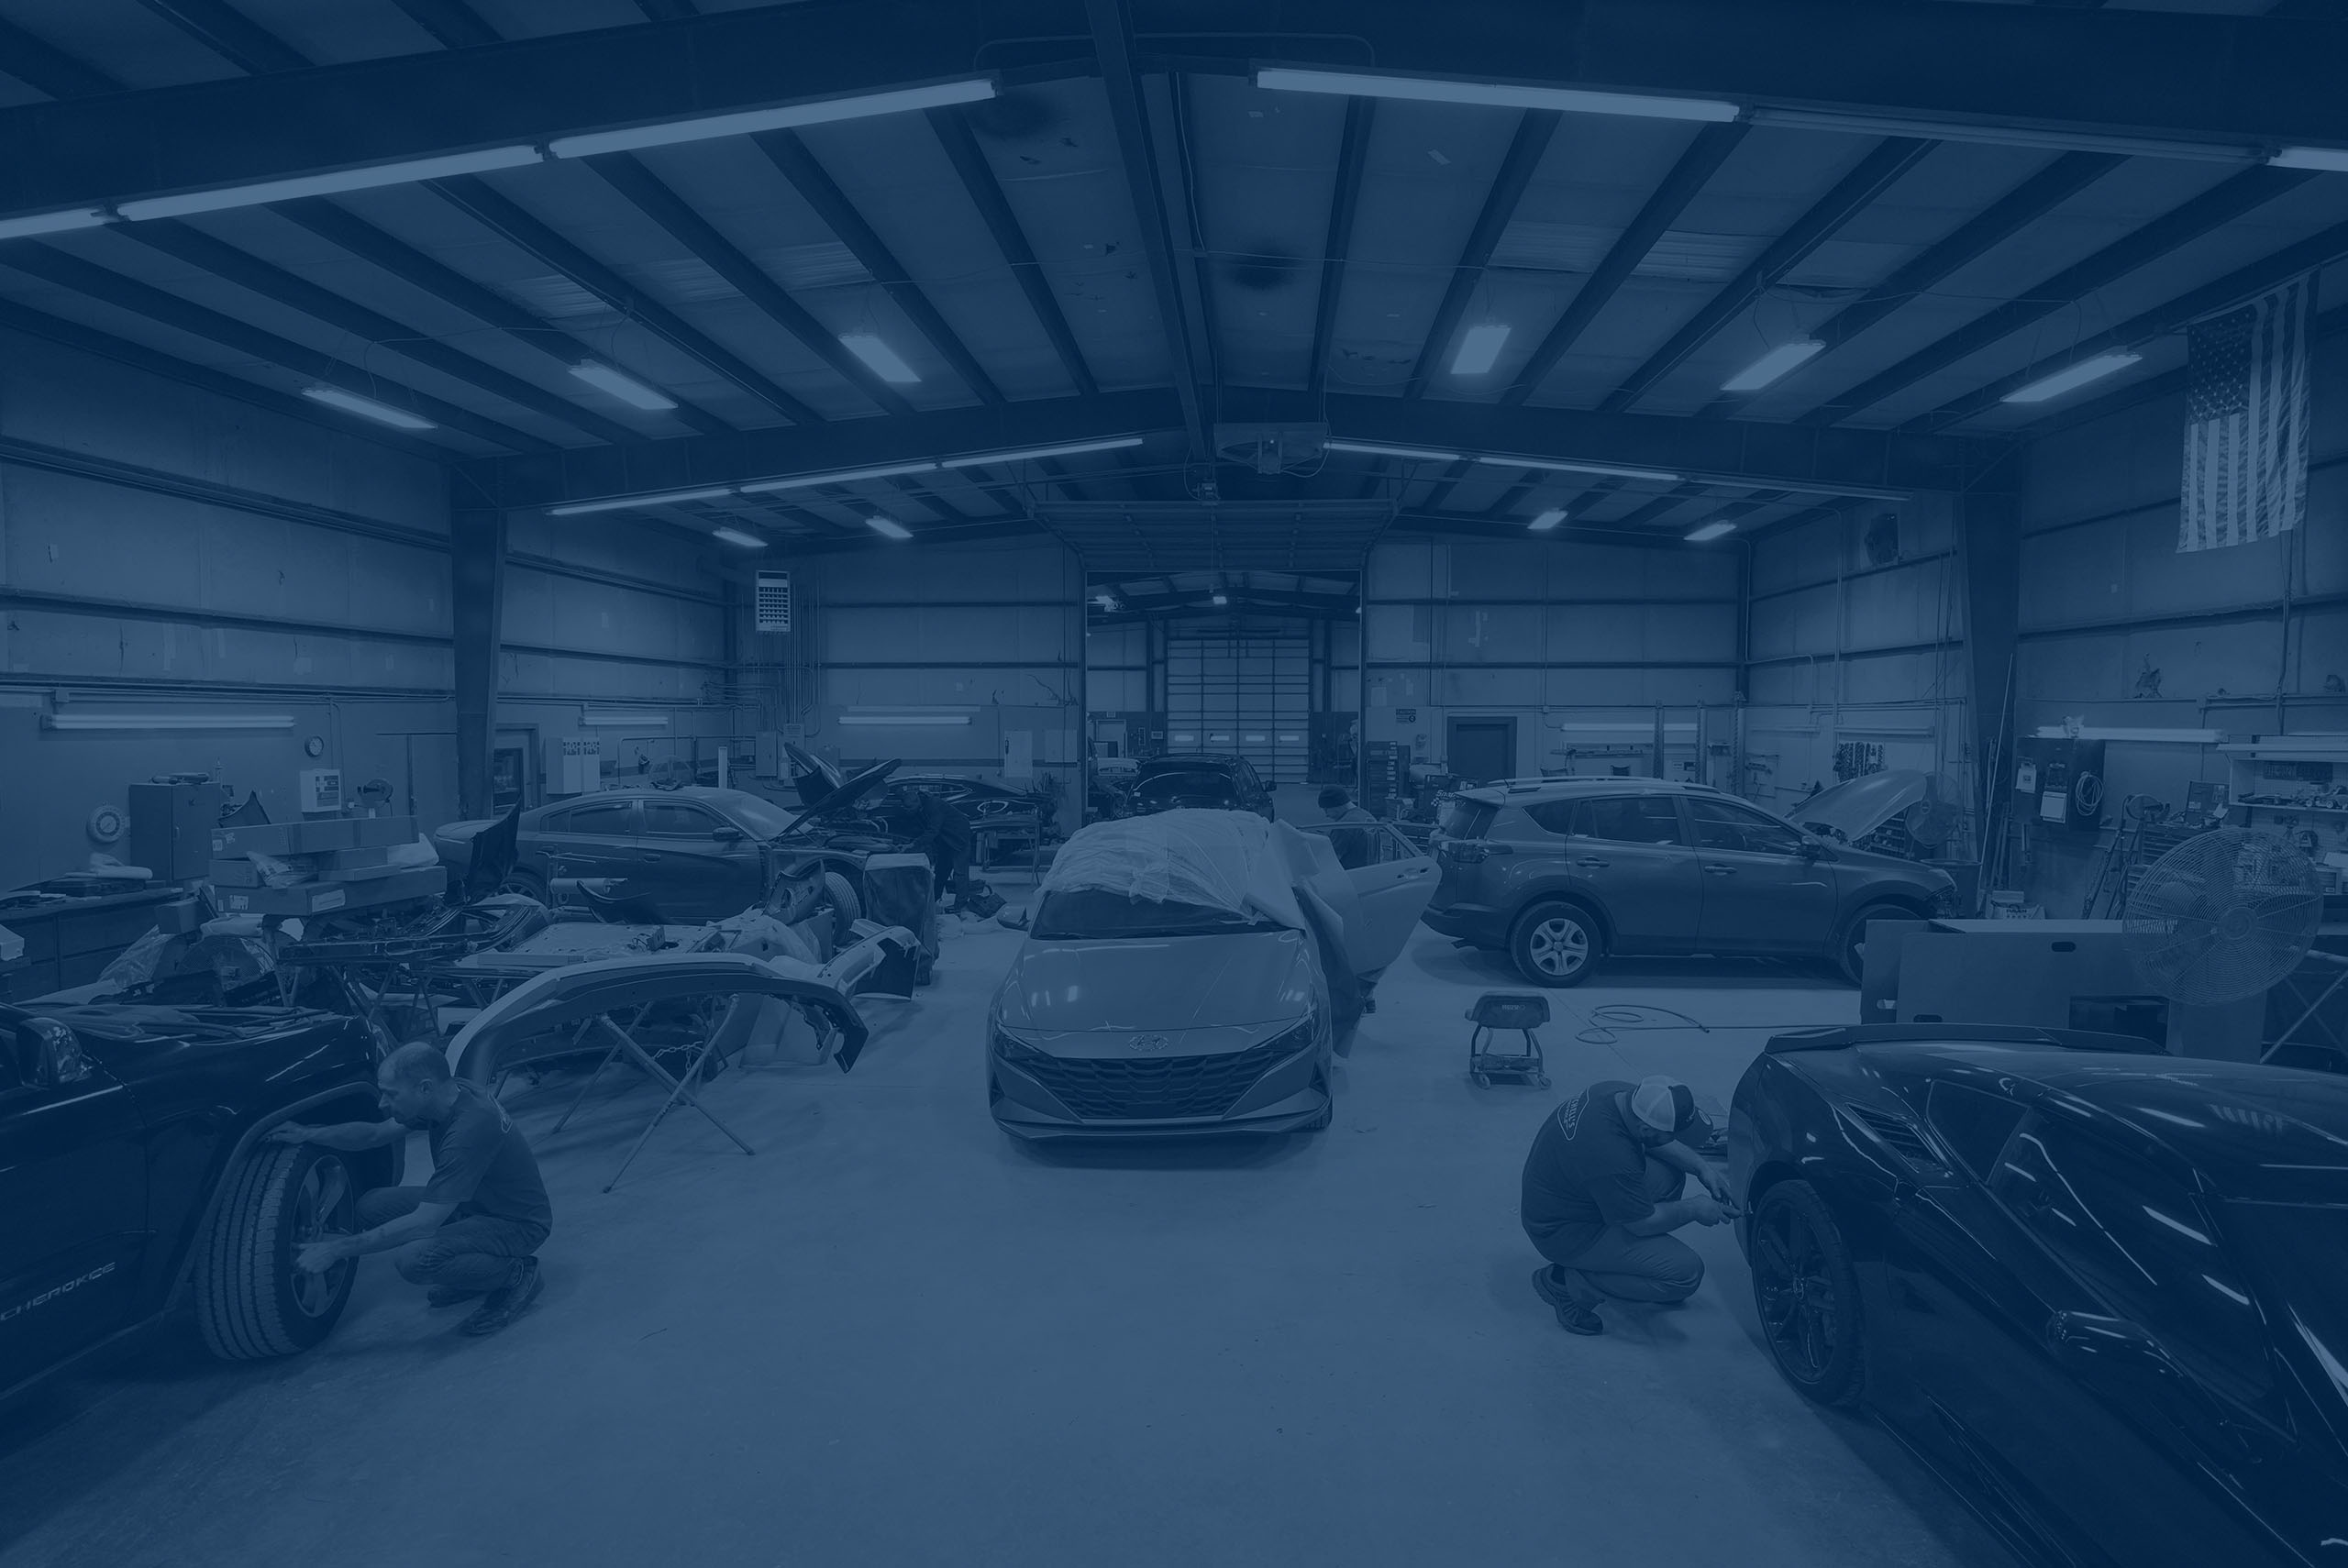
(1721, 871)
(1592, 863)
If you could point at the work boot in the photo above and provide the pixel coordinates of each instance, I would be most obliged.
(448, 1295)
(1556, 1287)
(508, 1302)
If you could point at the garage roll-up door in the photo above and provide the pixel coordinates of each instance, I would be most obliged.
(1246, 694)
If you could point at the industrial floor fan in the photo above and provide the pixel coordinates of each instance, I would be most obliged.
(2221, 919)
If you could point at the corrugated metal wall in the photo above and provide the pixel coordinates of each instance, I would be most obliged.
(1578, 642)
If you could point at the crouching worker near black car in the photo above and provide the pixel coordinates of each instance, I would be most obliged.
(474, 1229)
(1602, 1195)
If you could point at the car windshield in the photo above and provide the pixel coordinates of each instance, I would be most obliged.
(1189, 784)
(1082, 915)
(2302, 1250)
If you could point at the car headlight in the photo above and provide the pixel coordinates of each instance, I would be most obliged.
(1012, 1049)
(1945, 901)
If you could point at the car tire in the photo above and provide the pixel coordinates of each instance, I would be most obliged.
(1807, 1295)
(529, 884)
(1555, 944)
(1848, 959)
(849, 908)
(250, 1301)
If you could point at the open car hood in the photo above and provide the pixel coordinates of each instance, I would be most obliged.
(810, 774)
(1857, 806)
(825, 793)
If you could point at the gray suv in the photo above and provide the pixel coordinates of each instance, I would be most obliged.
(1558, 873)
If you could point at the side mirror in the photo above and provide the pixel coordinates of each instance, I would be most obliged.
(50, 1055)
(726, 835)
(1816, 849)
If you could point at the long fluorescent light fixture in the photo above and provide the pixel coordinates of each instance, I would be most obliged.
(622, 718)
(1555, 466)
(840, 476)
(1497, 94)
(1547, 520)
(626, 388)
(1369, 448)
(736, 536)
(2331, 159)
(893, 720)
(1479, 349)
(1776, 362)
(1028, 454)
(2047, 141)
(137, 722)
(880, 359)
(1709, 532)
(368, 408)
(888, 527)
(2072, 376)
(748, 122)
(327, 184)
(630, 502)
(53, 223)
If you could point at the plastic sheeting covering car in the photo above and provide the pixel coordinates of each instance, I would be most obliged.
(1216, 860)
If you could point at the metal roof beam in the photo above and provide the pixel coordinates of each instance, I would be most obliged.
(55, 266)
(1352, 152)
(47, 69)
(229, 34)
(953, 130)
(473, 196)
(1533, 131)
(1852, 195)
(453, 22)
(2181, 225)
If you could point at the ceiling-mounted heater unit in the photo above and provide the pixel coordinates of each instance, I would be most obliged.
(774, 602)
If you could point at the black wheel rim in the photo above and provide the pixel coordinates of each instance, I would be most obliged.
(321, 1208)
(1799, 1308)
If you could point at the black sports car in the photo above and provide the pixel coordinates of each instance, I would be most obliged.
(2104, 1295)
(1199, 781)
(134, 1176)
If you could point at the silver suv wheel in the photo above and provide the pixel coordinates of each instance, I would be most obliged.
(1555, 946)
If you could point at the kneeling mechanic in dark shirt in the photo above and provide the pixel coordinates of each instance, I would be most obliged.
(1602, 1195)
(475, 1229)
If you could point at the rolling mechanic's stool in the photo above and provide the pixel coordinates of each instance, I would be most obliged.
(1522, 1011)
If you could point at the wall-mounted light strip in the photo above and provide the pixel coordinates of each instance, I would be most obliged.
(839, 476)
(1496, 94)
(330, 183)
(1030, 454)
(2049, 141)
(622, 718)
(2139, 736)
(669, 133)
(1372, 450)
(891, 721)
(631, 502)
(136, 723)
(1558, 466)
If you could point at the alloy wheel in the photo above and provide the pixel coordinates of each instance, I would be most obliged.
(1558, 945)
(1798, 1308)
(318, 1212)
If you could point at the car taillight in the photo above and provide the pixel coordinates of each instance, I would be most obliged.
(1461, 852)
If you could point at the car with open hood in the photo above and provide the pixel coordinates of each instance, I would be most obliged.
(1191, 973)
(134, 1179)
(1210, 782)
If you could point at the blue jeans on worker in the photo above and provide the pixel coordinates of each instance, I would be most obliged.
(468, 1253)
(1631, 1267)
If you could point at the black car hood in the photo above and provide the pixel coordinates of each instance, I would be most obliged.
(131, 1040)
(847, 793)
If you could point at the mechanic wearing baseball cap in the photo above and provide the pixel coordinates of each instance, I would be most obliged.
(1602, 1197)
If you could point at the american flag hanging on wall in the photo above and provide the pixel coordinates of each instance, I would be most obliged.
(2247, 421)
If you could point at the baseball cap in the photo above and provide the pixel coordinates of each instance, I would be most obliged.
(1664, 1104)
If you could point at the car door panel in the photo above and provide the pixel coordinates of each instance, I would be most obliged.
(1629, 856)
(1391, 887)
(1760, 894)
(593, 838)
(687, 870)
(72, 1219)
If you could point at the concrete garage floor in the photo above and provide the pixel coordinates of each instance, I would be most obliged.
(894, 1337)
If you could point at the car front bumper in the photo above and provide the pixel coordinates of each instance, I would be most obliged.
(1290, 1094)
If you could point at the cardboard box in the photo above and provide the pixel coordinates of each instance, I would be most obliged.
(383, 833)
(237, 873)
(285, 839)
(325, 897)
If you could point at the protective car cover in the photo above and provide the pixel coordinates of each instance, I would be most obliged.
(1218, 860)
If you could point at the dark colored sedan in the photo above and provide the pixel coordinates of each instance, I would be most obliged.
(2104, 1295)
(1203, 782)
(695, 854)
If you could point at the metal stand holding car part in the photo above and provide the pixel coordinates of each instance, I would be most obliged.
(1520, 1010)
(679, 1086)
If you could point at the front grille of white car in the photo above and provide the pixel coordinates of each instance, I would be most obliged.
(1152, 1088)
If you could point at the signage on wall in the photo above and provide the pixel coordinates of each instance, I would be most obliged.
(1406, 715)
(774, 602)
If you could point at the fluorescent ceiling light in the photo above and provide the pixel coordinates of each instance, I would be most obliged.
(2072, 376)
(1374, 450)
(368, 178)
(627, 388)
(1555, 466)
(622, 718)
(736, 536)
(1479, 349)
(1547, 520)
(368, 408)
(891, 720)
(884, 360)
(750, 121)
(888, 527)
(1499, 95)
(1710, 531)
(1220, 599)
(840, 476)
(53, 223)
(2335, 159)
(631, 502)
(1026, 454)
(1776, 362)
(133, 722)
(2003, 135)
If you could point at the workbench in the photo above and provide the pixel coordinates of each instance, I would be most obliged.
(70, 940)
